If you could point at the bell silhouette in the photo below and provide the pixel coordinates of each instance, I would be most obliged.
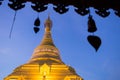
(36, 29)
(91, 24)
(95, 41)
(37, 22)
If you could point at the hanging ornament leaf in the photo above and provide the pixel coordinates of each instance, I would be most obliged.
(37, 22)
(95, 41)
(36, 29)
(91, 24)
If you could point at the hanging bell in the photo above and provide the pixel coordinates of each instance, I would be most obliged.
(37, 22)
(36, 29)
(91, 24)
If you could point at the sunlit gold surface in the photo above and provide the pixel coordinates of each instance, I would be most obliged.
(45, 63)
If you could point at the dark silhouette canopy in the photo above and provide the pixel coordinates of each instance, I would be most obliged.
(61, 6)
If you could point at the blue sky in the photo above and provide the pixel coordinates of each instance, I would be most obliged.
(69, 33)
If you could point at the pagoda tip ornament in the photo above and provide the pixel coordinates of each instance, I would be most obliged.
(48, 22)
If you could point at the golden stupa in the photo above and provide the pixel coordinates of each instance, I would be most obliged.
(45, 63)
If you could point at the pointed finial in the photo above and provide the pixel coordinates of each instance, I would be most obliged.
(48, 15)
(48, 24)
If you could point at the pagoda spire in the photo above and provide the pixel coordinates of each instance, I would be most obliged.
(47, 39)
(46, 51)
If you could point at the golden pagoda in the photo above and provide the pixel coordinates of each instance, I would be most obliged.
(45, 63)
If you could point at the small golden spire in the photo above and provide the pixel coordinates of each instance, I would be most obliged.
(47, 39)
(48, 24)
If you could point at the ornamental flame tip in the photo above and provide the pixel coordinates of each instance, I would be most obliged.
(48, 23)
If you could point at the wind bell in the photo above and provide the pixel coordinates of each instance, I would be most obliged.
(37, 24)
(38, 7)
(91, 24)
(95, 41)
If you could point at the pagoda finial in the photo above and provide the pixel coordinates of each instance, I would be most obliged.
(48, 24)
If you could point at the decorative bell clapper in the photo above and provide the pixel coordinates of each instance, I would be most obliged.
(36, 24)
(91, 24)
(95, 41)
(36, 29)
